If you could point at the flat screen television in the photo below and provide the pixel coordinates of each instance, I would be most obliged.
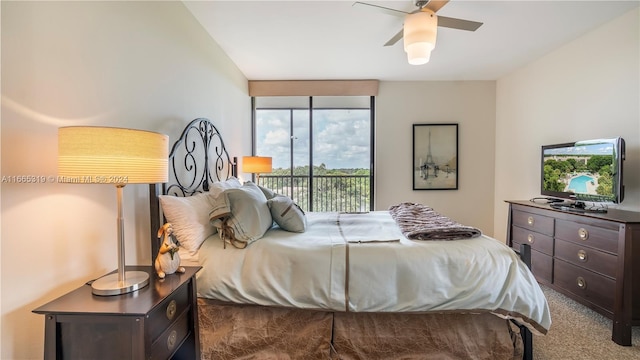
(584, 171)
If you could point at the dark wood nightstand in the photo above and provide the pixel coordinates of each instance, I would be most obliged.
(159, 321)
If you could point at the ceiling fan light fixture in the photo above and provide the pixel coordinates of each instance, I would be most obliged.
(420, 30)
(419, 53)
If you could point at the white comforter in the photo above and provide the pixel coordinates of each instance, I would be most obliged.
(365, 264)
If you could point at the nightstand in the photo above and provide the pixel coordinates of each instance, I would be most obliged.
(159, 321)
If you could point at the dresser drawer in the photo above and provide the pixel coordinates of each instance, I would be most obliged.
(534, 222)
(587, 235)
(167, 311)
(538, 241)
(595, 288)
(170, 340)
(588, 258)
(541, 266)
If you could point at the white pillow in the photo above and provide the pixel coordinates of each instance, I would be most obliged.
(189, 217)
(219, 187)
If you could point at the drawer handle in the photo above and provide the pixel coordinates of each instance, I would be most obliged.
(581, 282)
(582, 255)
(531, 220)
(583, 234)
(172, 339)
(171, 309)
(531, 238)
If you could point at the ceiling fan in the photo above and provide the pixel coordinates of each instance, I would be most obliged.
(420, 27)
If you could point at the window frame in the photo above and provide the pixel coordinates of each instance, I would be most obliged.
(311, 109)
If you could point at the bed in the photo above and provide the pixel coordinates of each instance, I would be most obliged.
(337, 285)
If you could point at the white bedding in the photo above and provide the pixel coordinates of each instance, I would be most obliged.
(365, 264)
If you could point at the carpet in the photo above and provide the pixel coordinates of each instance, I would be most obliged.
(580, 333)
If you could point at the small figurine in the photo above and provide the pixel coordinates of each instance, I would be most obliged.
(168, 259)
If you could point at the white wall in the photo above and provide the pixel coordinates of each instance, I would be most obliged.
(149, 65)
(589, 88)
(470, 104)
(146, 65)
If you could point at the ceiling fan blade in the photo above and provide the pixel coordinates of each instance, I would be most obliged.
(459, 24)
(385, 10)
(435, 5)
(395, 38)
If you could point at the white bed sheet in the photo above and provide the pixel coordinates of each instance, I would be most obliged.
(367, 265)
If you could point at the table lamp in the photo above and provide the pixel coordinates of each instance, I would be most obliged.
(256, 165)
(115, 156)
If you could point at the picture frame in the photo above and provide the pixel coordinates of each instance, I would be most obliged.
(435, 156)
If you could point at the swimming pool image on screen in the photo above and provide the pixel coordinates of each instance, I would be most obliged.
(581, 184)
(584, 171)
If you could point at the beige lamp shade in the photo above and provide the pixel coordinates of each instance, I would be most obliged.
(420, 30)
(91, 154)
(256, 164)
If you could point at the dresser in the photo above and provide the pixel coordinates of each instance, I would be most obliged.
(593, 258)
(159, 321)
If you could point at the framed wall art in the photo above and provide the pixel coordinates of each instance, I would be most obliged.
(435, 156)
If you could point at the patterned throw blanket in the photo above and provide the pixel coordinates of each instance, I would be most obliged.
(420, 222)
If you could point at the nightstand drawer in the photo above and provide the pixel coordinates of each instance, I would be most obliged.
(171, 339)
(586, 235)
(533, 222)
(167, 311)
(598, 289)
(588, 258)
(538, 241)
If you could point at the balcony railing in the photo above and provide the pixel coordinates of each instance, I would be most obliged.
(344, 193)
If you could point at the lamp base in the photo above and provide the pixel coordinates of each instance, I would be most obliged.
(110, 285)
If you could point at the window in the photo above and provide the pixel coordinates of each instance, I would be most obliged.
(322, 149)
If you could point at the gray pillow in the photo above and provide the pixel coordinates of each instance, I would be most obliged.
(249, 217)
(287, 214)
(268, 193)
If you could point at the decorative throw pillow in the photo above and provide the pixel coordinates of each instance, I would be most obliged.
(189, 217)
(268, 193)
(287, 214)
(249, 216)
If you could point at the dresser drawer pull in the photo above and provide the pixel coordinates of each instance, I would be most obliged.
(171, 309)
(531, 220)
(172, 339)
(583, 234)
(582, 255)
(581, 282)
(530, 238)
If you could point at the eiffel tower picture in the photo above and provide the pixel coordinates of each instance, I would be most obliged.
(428, 165)
(435, 156)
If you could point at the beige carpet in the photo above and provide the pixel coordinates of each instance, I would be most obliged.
(578, 332)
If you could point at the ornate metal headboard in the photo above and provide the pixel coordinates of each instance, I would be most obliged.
(197, 159)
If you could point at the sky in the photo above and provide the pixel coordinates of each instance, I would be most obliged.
(602, 147)
(341, 137)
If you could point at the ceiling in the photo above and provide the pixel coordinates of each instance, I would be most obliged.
(302, 40)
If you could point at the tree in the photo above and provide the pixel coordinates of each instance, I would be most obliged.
(605, 185)
(596, 162)
(552, 178)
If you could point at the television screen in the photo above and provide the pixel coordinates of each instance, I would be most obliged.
(584, 171)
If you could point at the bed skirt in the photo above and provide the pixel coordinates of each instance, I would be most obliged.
(229, 331)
